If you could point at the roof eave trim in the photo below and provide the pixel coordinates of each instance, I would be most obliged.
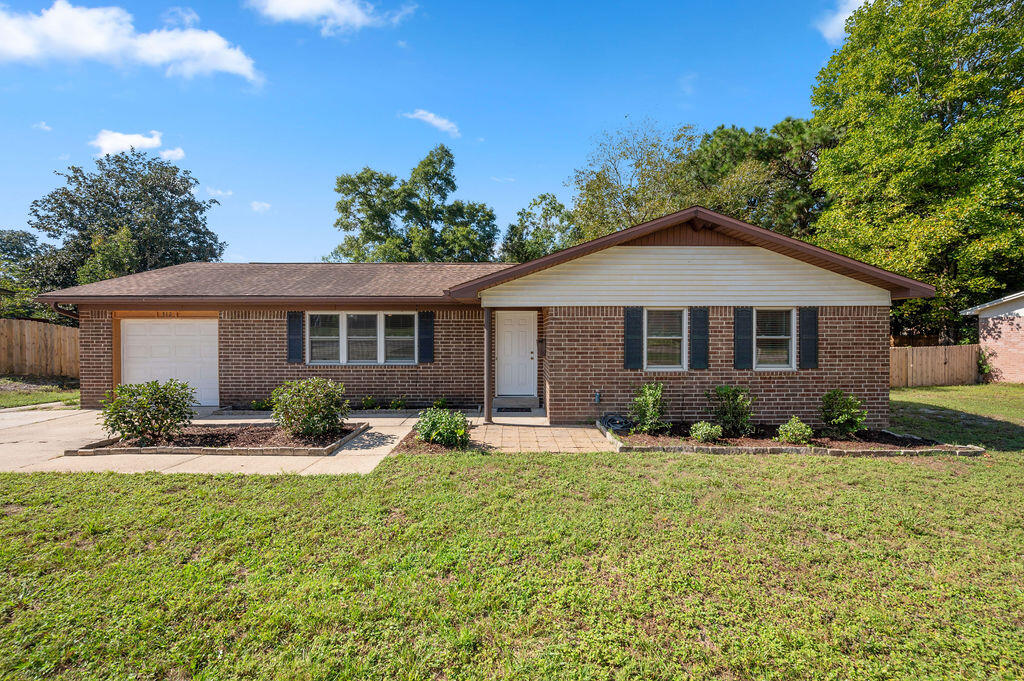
(245, 300)
(992, 303)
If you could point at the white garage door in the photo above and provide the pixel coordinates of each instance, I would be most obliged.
(185, 349)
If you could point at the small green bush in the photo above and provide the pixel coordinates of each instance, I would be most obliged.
(265, 404)
(794, 432)
(444, 427)
(441, 403)
(842, 413)
(368, 403)
(398, 403)
(150, 412)
(705, 431)
(310, 407)
(733, 409)
(648, 409)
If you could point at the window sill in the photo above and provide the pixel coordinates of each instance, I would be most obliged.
(665, 369)
(774, 368)
(361, 364)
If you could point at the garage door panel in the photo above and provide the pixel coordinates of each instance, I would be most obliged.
(183, 349)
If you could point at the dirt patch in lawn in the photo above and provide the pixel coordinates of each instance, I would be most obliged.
(31, 384)
(679, 434)
(239, 436)
(410, 445)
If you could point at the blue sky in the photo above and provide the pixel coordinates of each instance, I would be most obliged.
(267, 101)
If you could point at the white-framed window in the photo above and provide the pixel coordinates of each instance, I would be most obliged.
(665, 339)
(361, 337)
(774, 338)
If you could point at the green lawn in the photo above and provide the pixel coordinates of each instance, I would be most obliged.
(532, 566)
(20, 391)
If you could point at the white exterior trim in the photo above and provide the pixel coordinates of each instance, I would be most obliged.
(1012, 304)
(343, 337)
(684, 276)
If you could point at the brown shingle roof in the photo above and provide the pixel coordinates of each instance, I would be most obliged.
(241, 282)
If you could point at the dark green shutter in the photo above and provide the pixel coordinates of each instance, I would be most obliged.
(698, 338)
(743, 337)
(425, 348)
(295, 337)
(634, 338)
(808, 338)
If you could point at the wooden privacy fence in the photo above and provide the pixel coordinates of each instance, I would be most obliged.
(933, 365)
(37, 348)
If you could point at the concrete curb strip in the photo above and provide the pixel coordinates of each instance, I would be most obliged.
(101, 448)
(34, 407)
(620, 446)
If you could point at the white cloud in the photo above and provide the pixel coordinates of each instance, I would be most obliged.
(175, 154)
(833, 25)
(180, 16)
(442, 124)
(41, 125)
(260, 206)
(502, 180)
(218, 193)
(69, 33)
(110, 142)
(333, 16)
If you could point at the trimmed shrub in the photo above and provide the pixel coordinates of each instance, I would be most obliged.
(398, 403)
(441, 403)
(733, 409)
(647, 409)
(842, 413)
(261, 405)
(794, 432)
(444, 427)
(705, 431)
(368, 403)
(310, 407)
(150, 412)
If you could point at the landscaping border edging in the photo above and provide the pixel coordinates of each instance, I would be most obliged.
(620, 446)
(101, 448)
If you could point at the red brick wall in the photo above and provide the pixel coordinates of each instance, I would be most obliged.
(1003, 339)
(95, 354)
(585, 354)
(253, 361)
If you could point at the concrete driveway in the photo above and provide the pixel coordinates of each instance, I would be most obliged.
(35, 441)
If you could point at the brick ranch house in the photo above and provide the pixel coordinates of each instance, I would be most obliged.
(1001, 335)
(692, 300)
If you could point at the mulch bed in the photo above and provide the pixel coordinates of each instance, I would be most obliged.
(239, 436)
(679, 434)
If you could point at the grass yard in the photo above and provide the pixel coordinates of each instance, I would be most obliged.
(21, 391)
(611, 565)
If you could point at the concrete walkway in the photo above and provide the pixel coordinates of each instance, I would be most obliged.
(36, 440)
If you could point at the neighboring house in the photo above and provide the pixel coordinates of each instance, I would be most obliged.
(1001, 335)
(692, 300)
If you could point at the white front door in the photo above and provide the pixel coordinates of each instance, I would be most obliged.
(185, 349)
(516, 352)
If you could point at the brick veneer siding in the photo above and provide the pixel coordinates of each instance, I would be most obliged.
(585, 354)
(95, 354)
(1003, 339)
(253, 361)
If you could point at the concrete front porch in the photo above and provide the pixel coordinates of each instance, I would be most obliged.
(531, 433)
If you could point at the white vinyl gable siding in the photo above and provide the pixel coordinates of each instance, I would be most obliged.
(684, 276)
(1013, 308)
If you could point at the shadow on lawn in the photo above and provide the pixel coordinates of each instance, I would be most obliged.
(956, 427)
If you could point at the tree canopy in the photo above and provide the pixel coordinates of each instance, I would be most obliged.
(132, 213)
(543, 227)
(387, 219)
(928, 177)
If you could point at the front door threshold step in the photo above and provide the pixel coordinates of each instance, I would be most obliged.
(522, 402)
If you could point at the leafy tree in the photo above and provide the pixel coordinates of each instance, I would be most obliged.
(928, 178)
(411, 220)
(764, 177)
(18, 250)
(543, 227)
(150, 198)
(112, 256)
